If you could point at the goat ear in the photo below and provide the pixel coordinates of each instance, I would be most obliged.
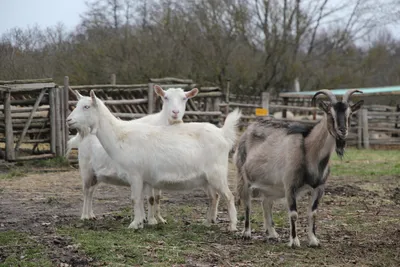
(357, 106)
(324, 106)
(78, 95)
(192, 93)
(94, 98)
(159, 91)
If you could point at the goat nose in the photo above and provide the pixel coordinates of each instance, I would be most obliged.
(69, 119)
(175, 111)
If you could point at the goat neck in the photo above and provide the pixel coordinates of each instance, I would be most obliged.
(107, 130)
(319, 145)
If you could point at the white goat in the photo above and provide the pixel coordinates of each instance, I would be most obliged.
(180, 157)
(96, 166)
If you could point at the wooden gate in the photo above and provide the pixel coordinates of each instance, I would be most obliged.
(33, 112)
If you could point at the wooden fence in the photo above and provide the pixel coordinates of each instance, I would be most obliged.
(33, 112)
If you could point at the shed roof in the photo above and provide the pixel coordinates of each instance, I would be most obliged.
(370, 91)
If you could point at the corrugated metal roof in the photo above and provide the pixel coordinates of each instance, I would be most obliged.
(387, 90)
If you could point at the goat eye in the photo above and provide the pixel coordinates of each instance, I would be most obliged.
(86, 107)
(185, 98)
(165, 98)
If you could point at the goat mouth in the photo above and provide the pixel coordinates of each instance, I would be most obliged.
(70, 124)
(174, 117)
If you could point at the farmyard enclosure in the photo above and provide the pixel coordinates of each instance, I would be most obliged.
(266, 57)
(358, 222)
(41, 203)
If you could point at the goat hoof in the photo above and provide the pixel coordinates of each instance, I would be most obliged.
(246, 235)
(232, 228)
(294, 242)
(136, 225)
(273, 235)
(152, 221)
(162, 220)
(85, 217)
(314, 242)
(207, 223)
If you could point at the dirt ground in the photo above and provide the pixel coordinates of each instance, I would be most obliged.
(358, 221)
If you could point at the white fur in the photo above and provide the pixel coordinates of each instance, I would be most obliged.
(182, 156)
(97, 167)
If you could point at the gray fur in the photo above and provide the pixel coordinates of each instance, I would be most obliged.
(276, 159)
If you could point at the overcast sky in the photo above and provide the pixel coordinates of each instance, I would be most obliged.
(23, 13)
(44, 13)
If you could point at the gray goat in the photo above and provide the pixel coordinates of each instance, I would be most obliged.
(275, 159)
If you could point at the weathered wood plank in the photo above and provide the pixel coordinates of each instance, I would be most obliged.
(30, 87)
(44, 80)
(170, 79)
(108, 86)
(35, 106)
(10, 152)
(118, 102)
(53, 116)
(41, 156)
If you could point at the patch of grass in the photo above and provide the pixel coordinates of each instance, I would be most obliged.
(13, 173)
(161, 245)
(17, 249)
(367, 164)
(56, 162)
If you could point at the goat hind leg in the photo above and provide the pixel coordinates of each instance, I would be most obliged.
(291, 201)
(157, 193)
(268, 222)
(212, 207)
(316, 196)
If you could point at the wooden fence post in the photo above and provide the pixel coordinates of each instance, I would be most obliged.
(10, 153)
(228, 88)
(65, 113)
(53, 136)
(58, 121)
(150, 98)
(365, 127)
(359, 130)
(113, 79)
(285, 103)
(265, 101)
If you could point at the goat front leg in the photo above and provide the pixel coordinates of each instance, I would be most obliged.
(89, 183)
(291, 201)
(316, 197)
(90, 204)
(157, 193)
(268, 222)
(151, 220)
(138, 207)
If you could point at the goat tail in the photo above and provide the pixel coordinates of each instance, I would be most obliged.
(72, 143)
(229, 129)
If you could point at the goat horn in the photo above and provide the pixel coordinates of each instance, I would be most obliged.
(347, 95)
(326, 92)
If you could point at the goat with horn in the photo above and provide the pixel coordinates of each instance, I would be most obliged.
(276, 159)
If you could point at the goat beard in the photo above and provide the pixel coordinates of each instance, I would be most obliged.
(340, 146)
